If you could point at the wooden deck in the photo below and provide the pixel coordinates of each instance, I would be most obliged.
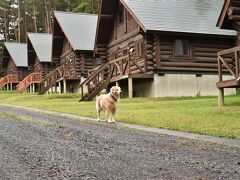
(228, 59)
(115, 70)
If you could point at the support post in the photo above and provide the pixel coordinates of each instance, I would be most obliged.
(30, 88)
(60, 88)
(117, 84)
(55, 88)
(130, 88)
(7, 87)
(64, 86)
(11, 87)
(33, 87)
(221, 97)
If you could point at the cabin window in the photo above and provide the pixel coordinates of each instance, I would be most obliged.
(121, 15)
(182, 48)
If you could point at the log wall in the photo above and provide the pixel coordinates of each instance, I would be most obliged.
(77, 63)
(203, 52)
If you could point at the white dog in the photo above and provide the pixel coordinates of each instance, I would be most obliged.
(108, 103)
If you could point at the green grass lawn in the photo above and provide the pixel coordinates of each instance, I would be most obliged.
(199, 115)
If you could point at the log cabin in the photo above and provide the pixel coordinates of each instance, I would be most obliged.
(14, 64)
(159, 48)
(72, 50)
(39, 49)
(229, 18)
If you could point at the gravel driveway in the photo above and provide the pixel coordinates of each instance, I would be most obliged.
(39, 146)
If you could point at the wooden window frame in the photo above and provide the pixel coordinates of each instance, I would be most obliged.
(189, 56)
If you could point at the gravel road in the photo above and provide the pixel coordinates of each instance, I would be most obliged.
(34, 145)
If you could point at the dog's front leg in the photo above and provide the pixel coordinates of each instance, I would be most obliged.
(108, 116)
(113, 115)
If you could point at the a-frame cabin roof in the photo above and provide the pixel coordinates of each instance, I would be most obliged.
(187, 16)
(42, 45)
(178, 16)
(18, 53)
(79, 29)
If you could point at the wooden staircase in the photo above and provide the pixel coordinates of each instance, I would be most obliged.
(51, 79)
(95, 82)
(11, 78)
(35, 77)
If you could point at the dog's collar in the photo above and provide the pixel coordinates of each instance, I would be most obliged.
(113, 97)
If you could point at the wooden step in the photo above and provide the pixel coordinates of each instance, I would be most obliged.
(95, 82)
(35, 77)
(232, 83)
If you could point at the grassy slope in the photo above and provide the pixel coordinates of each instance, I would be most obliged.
(199, 115)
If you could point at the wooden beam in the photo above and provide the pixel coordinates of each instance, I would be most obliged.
(58, 37)
(234, 17)
(227, 66)
(158, 53)
(64, 86)
(228, 83)
(228, 51)
(107, 16)
(223, 13)
(31, 51)
(124, 38)
(220, 97)
(130, 88)
(232, 10)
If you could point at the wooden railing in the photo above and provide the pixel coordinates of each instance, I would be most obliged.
(95, 82)
(35, 77)
(111, 71)
(229, 60)
(11, 78)
(52, 78)
(126, 65)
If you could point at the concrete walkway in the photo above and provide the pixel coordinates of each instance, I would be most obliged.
(212, 139)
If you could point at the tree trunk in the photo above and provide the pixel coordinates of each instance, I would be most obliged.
(34, 16)
(19, 23)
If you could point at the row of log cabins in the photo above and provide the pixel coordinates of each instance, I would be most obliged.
(149, 48)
